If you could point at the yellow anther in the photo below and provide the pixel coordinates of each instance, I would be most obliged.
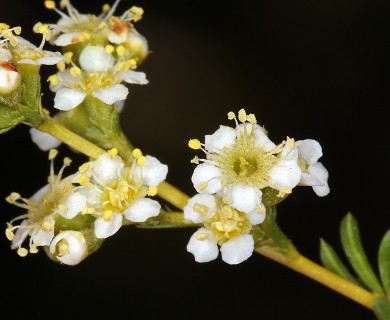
(17, 30)
(13, 197)
(88, 210)
(62, 247)
(52, 153)
(22, 252)
(112, 153)
(141, 160)
(4, 26)
(67, 161)
(137, 153)
(83, 180)
(132, 64)
(242, 115)
(106, 7)
(46, 226)
(231, 115)
(195, 160)
(194, 144)
(137, 13)
(107, 215)
(202, 186)
(152, 191)
(260, 209)
(75, 71)
(50, 5)
(252, 118)
(120, 50)
(202, 236)
(201, 208)
(53, 79)
(68, 56)
(109, 48)
(83, 37)
(290, 142)
(61, 66)
(33, 249)
(9, 234)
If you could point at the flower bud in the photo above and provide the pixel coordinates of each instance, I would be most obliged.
(9, 77)
(69, 247)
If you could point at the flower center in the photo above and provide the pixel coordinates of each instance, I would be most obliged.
(228, 223)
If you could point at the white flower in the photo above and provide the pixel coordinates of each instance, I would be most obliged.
(95, 59)
(223, 226)
(241, 162)
(73, 85)
(313, 172)
(115, 190)
(43, 140)
(69, 247)
(57, 197)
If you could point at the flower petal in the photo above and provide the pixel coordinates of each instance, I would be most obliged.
(153, 171)
(75, 203)
(238, 249)
(203, 250)
(207, 201)
(76, 247)
(43, 237)
(142, 209)
(309, 150)
(111, 94)
(43, 140)
(135, 77)
(221, 138)
(66, 39)
(104, 168)
(262, 139)
(255, 217)
(243, 198)
(319, 171)
(95, 59)
(207, 178)
(105, 229)
(67, 99)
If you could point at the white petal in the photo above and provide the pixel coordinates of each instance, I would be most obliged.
(105, 229)
(113, 37)
(92, 195)
(256, 218)
(319, 171)
(50, 58)
(238, 249)
(66, 39)
(37, 196)
(243, 198)
(153, 171)
(120, 104)
(8, 80)
(104, 168)
(286, 172)
(22, 42)
(309, 150)
(142, 209)
(203, 250)
(75, 203)
(43, 140)
(135, 77)
(111, 94)
(206, 200)
(209, 174)
(67, 99)
(223, 137)
(77, 247)
(262, 139)
(95, 59)
(44, 237)
(309, 180)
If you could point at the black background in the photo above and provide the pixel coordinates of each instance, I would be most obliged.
(307, 69)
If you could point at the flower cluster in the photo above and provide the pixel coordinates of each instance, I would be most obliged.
(71, 215)
(240, 164)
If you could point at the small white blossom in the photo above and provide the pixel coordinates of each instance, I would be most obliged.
(9, 77)
(224, 226)
(115, 190)
(242, 161)
(313, 172)
(69, 247)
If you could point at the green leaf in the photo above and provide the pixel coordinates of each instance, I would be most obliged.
(331, 261)
(353, 248)
(9, 118)
(381, 308)
(384, 262)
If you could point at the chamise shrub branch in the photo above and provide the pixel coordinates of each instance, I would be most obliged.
(239, 182)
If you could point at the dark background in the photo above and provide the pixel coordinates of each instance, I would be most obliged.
(307, 69)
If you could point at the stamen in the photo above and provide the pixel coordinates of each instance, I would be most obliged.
(194, 144)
